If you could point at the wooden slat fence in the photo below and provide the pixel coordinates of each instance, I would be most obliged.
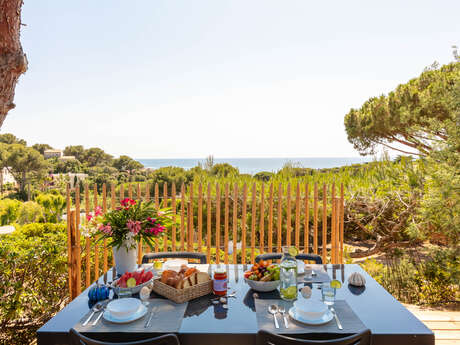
(231, 224)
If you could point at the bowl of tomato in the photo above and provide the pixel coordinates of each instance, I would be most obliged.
(263, 277)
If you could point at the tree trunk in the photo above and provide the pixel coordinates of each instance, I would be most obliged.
(13, 61)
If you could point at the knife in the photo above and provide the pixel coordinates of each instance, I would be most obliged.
(150, 317)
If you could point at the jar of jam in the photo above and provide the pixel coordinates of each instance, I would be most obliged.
(219, 284)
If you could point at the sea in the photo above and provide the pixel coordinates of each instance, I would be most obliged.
(255, 165)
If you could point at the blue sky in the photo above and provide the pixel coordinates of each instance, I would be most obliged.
(229, 78)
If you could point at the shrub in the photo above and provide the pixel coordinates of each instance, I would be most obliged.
(9, 210)
(53, 205)
(35, 262)
(433, 281)
(30, 212)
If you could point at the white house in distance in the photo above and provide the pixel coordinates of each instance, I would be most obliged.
(6, 177)
(52, 153)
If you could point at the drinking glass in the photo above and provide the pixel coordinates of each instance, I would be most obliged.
(327, 293)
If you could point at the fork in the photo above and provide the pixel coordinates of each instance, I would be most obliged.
(282, 311)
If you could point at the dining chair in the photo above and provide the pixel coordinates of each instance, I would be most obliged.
(275, 256)
(167, 339)
(170, 255)
(268, 338)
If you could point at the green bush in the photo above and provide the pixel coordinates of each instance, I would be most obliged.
(9, 211)
(432, 281)
(53, 205)
(34, 260)
(30, 212)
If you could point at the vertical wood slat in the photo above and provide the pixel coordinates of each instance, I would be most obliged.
(173, 207)
(297, 217)
(341, 222)
(253, 222)
(315, 219)
(200, 217)
(270, 220)
(104, 210)
(182, 217)
(243, 225)
(87, 242)
(226, 205)
(262, 220)
(208, 222)
(78, 235)
(113, 199)
(69, 243)
(96, 246)
(147, 192)
(217, 223)
(140, 244)
(235, 221)
(324, 242)
(157, 195)
(190, 230)
(73, 271)
(288, 215)
(337, 231)
(333, 204)
(280, 218)
(306, 238)
(333, 224)
(189, 227)
(122, 192)
(130, 190)
(165, 205)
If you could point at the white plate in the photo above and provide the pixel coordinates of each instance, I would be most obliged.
(133, 317)
(324, 319)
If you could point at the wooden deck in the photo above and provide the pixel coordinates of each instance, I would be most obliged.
(444, 323)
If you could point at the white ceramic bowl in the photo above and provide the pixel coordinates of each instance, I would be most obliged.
(123, 307)
(262, 286)
(310, 309)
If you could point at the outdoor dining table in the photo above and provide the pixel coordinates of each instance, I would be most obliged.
(389, 321)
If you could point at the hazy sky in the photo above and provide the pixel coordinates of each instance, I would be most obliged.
(230, 78)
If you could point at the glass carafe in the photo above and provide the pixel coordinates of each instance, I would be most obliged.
(288, 276)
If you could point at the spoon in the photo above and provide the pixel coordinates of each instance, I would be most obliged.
(273, 309)
(95, 309)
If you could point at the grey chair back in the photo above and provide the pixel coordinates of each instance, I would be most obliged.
(268, 338)
(167, 339)
(276, 256)
(170, 255)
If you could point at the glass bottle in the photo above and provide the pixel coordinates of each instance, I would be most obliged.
(288, 275)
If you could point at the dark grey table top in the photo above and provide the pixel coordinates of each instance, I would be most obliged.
(388, 320)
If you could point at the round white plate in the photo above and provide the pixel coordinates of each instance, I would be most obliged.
(324, 319)
(133, 317)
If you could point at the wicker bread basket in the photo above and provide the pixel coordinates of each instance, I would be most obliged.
(182, 295)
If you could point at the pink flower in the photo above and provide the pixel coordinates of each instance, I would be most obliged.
(134, 226)
(127, 203)
(89, 216)
(107, 229)
(97, 211)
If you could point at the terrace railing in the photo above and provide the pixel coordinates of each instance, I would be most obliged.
(231, 224)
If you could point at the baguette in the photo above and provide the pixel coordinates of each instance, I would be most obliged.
(202, 277)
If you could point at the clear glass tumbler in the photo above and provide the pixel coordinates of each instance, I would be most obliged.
(328, 293)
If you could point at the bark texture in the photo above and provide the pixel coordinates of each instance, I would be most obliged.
(13, 61)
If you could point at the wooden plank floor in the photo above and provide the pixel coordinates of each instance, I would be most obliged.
(444, 323)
